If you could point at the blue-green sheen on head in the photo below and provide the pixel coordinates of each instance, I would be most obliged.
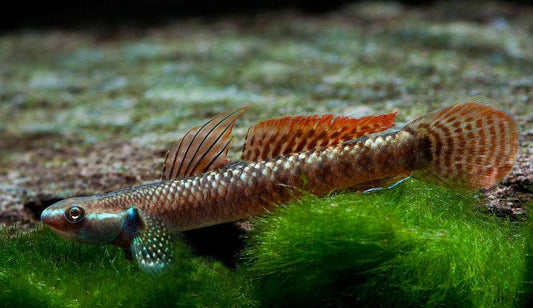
(88, 220)
(84, 219)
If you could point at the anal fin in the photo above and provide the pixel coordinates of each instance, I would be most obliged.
(381, 183)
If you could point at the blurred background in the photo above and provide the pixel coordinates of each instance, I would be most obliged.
(69, 13)
(92, 93)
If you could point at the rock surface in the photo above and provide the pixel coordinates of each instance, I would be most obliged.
(93, 110)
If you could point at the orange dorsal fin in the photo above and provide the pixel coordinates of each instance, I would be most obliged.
(203, 148)
(275, 137)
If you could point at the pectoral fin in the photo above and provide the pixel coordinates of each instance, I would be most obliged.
(152, 247)
(151, 243)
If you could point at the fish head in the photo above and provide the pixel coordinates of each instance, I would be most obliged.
(84, 219)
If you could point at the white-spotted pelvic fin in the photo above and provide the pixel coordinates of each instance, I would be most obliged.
(152, 245)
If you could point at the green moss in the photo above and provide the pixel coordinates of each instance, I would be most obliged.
(527, 285)
(413, 245)
(38, 269)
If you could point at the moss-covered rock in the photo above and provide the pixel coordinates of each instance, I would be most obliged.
(413, 245)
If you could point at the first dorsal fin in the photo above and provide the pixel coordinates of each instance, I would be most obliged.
(203, 148)
(275, 137)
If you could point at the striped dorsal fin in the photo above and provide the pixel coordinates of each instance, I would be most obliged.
(275, 137)
(203, 148)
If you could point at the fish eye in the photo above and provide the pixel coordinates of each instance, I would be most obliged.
(75, 213)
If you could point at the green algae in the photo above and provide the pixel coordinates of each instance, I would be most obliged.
(38, 269)
(414, 244)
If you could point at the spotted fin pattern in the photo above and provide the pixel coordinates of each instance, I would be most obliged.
(152, 247)
(468, 145)
(272, 138)
(203, 148)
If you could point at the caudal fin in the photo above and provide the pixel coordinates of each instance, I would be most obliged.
(467, 145)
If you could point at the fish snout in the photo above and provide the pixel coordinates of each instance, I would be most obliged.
(52, 217)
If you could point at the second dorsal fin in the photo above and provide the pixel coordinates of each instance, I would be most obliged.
(275, 137)
(203, 148)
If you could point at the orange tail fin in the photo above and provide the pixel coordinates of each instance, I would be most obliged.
(467, 145)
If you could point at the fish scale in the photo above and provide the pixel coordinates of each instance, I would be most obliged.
(252, 188)
(466, 145)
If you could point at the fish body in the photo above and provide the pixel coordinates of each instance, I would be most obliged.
(464, 146)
